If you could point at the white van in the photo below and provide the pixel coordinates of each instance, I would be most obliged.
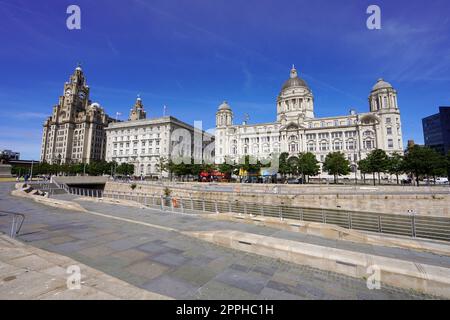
(441, 180)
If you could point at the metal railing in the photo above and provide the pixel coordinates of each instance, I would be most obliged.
(95, 193)
(428, 227)
(16, 223)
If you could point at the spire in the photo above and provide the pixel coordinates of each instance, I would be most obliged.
(78, 67)
(293, 72)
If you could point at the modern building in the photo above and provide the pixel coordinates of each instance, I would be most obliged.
(296, 128)
(436, 130)
(144, 142)
(75, 133)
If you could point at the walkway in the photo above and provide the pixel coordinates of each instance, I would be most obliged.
(166, 262)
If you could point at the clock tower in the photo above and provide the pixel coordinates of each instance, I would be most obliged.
(75, 131)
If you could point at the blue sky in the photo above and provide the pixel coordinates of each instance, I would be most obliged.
(192, 55)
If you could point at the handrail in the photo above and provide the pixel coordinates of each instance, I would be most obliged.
(412, 225)
(15, 225)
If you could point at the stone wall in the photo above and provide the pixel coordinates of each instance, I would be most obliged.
(422, 204)
(5, 171)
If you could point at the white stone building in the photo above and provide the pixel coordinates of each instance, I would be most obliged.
(298, 130)
(143, 142)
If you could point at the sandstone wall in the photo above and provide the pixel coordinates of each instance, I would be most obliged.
(422, 204)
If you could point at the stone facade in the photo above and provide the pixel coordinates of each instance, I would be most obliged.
(298, 130)
(75, 133)
(143, 142)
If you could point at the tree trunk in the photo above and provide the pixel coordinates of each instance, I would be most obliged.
(397, 177)
(417, 179)
(373, 176)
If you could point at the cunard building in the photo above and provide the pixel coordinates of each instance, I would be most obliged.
(296, 128)
(75, 133)
(144, 142)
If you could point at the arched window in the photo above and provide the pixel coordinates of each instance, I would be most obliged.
(266, 148)
(324, 145)
(367, 133)
(350, 144)
(337, 145)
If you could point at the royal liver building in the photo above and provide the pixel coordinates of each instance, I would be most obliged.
(75, 132)
(297, 130)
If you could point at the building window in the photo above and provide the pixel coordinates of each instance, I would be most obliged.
(324, 146)
(368, 144)
(390, 143)
(337, 145)
(350, 145)
(389, 130)
(293, 147)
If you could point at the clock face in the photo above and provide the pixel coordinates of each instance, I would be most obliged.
(68, 92)
(81, 94)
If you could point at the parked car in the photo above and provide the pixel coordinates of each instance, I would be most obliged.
(294, 181)
(441, 180)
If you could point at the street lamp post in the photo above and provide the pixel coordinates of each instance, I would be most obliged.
(31, 172)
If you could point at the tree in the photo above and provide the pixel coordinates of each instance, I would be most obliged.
(293, 165)
(364, 168)
(336, 164)
(307, 165)
(395, 164)
(125, 169)
(283, 168)
(420, 161)
(227, 167)
(378, 162)
(162, 166)
(249, 164)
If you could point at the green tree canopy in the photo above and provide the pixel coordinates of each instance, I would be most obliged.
(307, 165)
(378, 162)
(336, 164)
(395, 165)
(423, 161)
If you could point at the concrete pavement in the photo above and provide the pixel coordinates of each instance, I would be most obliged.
(172, 264)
